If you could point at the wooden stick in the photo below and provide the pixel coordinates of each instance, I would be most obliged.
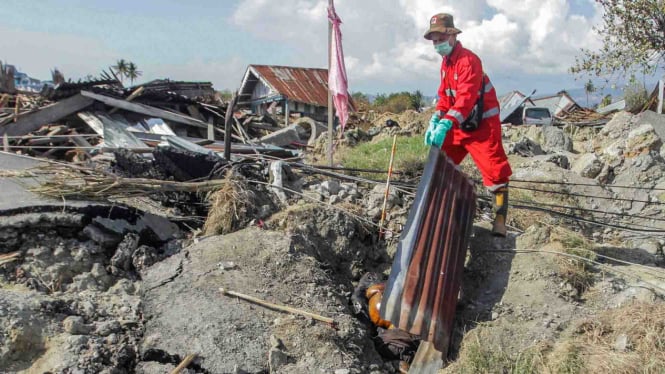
(188, 360)
(278, 307)
(137, 92)
(5, 143)
(9, 257)
(385, 196)
(16, 108)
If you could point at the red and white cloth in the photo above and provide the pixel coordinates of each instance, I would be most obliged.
(337, 81)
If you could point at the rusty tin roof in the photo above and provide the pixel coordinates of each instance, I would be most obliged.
(305, 85)
(422, 290)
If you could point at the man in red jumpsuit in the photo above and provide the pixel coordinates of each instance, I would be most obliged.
(459, 126)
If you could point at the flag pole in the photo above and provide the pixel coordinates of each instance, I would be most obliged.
(330, 99)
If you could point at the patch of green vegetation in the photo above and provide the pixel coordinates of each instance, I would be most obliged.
(410, 156)
(577, 272)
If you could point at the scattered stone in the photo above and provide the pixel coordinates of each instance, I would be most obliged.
(121, 262)
(588, 165)
(227, 265)
(76, 326)
(621, 343)
(276, 359)
(329, 188)
(143, 257)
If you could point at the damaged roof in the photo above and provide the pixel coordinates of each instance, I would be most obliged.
(305, 85)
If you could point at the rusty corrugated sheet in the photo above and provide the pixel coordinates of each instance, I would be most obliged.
(421, 293)
(305, 85)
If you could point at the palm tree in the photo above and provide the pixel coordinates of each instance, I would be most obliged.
(132, 72)
(589, 88)
(121, 68)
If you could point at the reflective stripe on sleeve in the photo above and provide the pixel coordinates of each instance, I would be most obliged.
(455, 114)
(490, 112)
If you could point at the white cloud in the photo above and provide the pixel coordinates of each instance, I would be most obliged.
(383, 38)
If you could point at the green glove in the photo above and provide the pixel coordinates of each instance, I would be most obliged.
(430, 130)
(440, 130)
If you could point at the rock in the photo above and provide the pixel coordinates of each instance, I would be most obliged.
(654, 119)
(588, 166)
(121, 261)
(621, 343)
(329, 188)
(554, 139)
(104, 239)
(282, 137)
(525, 147)
(342, 371)
(76, 326)
(107, 328)
(495, 316)
(376, 196)
(642, 139)
(143, 257)
(276, 359)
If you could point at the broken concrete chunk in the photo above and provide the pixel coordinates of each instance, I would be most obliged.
(276, 359)
(104, 239)
(588, 166)
(329, 188)
(144, 256)
(75, 325)
(121, 261)
(107, 328)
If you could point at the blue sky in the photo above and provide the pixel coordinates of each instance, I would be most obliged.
(525, 44)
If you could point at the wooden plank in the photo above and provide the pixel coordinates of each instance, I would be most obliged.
(52, 113)
(137, 92)
(145, 109)
(227, 126)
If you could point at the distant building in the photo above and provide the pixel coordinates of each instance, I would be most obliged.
(557, 104)
(285, 90)
(23, 82)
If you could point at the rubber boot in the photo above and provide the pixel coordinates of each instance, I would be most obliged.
(501, 212)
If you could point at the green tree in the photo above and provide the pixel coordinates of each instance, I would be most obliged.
(121, 68)
(417, 100)
(132, 72)
(589, 88)
(607, 100)
(633, 36)
(361, 100)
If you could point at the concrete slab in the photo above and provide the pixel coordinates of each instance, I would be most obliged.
(14, 195)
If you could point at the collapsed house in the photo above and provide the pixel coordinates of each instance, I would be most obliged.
(286, 90)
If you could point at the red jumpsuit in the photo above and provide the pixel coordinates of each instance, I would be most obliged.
(461, 79)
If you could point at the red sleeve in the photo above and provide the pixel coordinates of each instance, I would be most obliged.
(469, 80)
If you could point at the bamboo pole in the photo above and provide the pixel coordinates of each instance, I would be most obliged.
(330, 98)
(280, 308)
(385, 196)
(188, 360)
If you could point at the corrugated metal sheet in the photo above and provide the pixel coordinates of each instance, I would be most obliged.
(421, 293)
(305, 85)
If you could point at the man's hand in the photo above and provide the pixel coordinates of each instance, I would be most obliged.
(436, 134)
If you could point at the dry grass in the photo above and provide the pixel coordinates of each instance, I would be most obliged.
(577, 272)
(644, 327)
(228, 207)
(480, 354)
